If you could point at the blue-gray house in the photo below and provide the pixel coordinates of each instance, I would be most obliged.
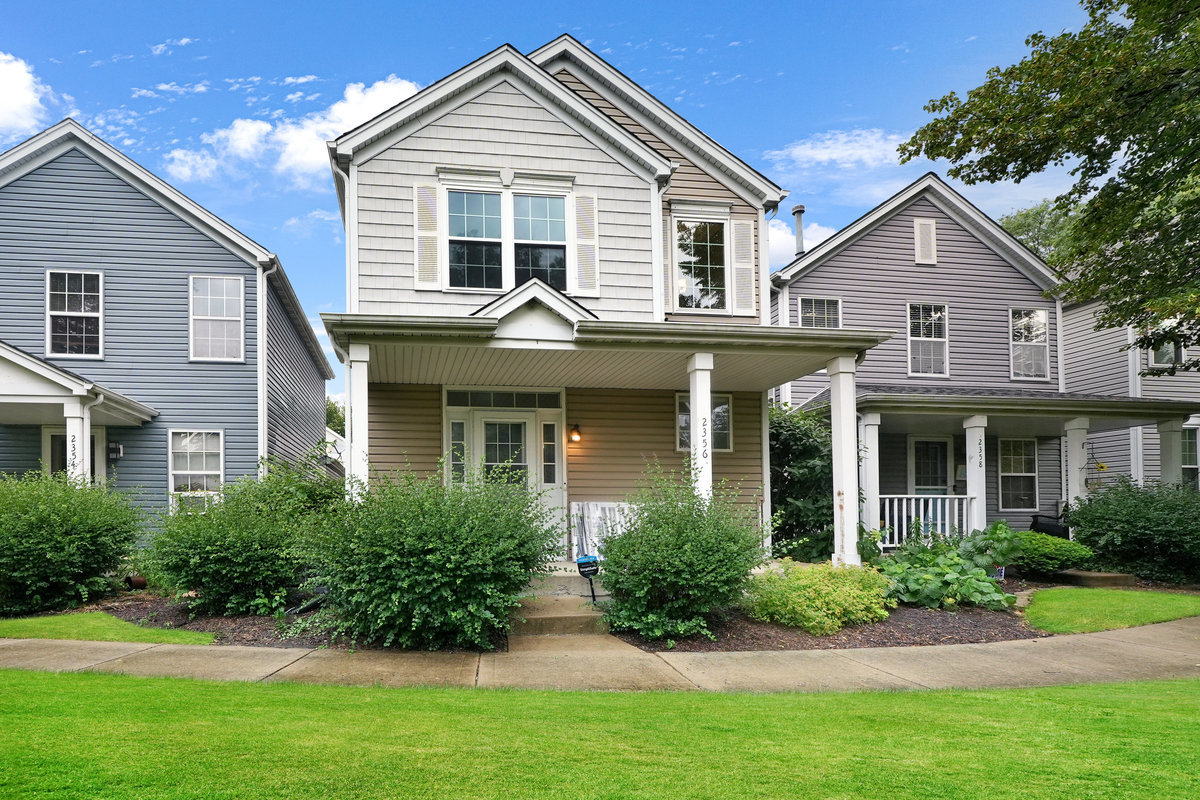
(140, 336)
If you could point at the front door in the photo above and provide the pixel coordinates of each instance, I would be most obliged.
(931, 465)
(54, 450)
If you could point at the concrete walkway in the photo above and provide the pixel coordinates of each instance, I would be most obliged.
(598, 661)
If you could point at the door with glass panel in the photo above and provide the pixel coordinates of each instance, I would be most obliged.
(931, 472)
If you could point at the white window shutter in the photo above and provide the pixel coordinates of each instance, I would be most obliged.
(743, 267)
(925, 240)
(587, 247)
(669, 288)
(427, 250)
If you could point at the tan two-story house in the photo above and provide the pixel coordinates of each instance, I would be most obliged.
(549, 268)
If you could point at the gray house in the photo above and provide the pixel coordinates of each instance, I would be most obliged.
(142, 337)
(968, 413)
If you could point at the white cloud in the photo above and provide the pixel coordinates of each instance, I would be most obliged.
(298, 145)
(190, 165)
(293, 97)
(23, 99)
(869, 147)
(187, 88)
(303, 227)
(782, 240)
(290, 80)
(165, 47)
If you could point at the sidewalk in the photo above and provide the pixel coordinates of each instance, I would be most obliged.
(583, 662)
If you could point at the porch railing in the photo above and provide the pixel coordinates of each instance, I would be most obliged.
(904, 515)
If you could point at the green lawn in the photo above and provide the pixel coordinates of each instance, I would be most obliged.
(95, 626)
(109, 736)
(1087, 610)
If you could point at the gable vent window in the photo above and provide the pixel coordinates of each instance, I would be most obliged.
(928, 339)
(818, 312)
(540, 239)
(475, 240)
(925, 240)
(1030, 343)
(73, 313)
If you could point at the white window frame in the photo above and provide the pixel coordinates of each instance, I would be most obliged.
(1178, 357)
(1012, 364)
(908, 338)
(192, 319)
(800, 314)
(471, 416)
(550, 186)
(698, 213)
(99, 315)
(172, 495)
(1195, 484)
(712, 399)
(1001, 475)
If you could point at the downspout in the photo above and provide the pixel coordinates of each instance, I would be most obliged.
(265, 270)
(86, 408)
(349, 219)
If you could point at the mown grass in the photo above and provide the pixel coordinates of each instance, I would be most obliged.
(95, 626)
(108, 736)
(1072, 610)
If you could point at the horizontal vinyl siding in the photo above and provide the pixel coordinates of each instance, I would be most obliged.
(20, 448)
(295, 388)
(503, 127)
(876, 277)
(1114, 449)
(72, 213)
(623, 431)
(1096, 361)
(405, 424)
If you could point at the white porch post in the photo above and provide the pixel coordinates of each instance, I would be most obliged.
(975, 428)
(844, 430)
(699, 368)
(1076, 458)
(870, 471)
(1170, 451)
(356, 412)
(78, 433)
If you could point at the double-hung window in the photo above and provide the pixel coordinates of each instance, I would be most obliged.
(722, 422)
(1191, 458)
(197, 468)
(1167, 354)
(74, 310)
(476, 240)
(928, 339)
(540, 239)
(1030, 342)
(702, 269)
(820, 312)
(218, 313)
(1018, 475)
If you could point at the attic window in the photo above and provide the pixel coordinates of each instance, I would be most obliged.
(925, 241)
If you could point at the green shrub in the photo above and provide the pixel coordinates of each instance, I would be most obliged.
(238, 555)
(952, 571)
(58, 539)
(801, 477)
(420, 563)
(821, 599)
(1043, 554)
(677, 558)
(1151, 531)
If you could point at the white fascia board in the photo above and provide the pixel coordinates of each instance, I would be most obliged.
(530, 291)
(425, 104)
(44, 369)
(660, 119)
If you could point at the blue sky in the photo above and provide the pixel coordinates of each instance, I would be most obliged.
(231, 101)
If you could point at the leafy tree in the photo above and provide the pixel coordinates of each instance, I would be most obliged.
(335, 416)
(1044, 228)
(1119, 100)
(801, 477)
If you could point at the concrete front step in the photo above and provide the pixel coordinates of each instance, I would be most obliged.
(565, 581)
(541, 616)
(1079, 577)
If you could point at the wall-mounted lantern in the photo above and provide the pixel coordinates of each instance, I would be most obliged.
(575, 434)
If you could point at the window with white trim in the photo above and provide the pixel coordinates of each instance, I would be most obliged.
(540, 239)
(1030, 342)
(218, 313)
(476, 242)
(1018, 474)
(1191, 458)
(1167, 354)
(701, 267)
(820, 312)
(197, 468)
(928, 339)
(722, 422)
(74, 309)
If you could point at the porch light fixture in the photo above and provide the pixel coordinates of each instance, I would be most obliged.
(575, 434)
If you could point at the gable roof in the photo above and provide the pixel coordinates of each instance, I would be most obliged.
(53, 142)
(535, 291)
(942, 195)
(665, 122)
(506, 59)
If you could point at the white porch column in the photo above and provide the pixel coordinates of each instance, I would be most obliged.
(356, 414)
(79, 429)
(1076, 458)
(699, 368)
(870, 471)
(844, 430)
(1170, 451)
(975, 428)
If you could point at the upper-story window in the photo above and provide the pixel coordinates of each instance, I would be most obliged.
(476, 245)
(712, 259)
(1167, 354)
(1030, 343)
(217, 330)
(540, 239)
(928, 339)
(702, 270)
(74, 311)
(820, 312)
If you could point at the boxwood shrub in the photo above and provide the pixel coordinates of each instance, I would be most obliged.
(420, 563)
(59, 538)
(678, 557)
(1043, 554)
(821, 599)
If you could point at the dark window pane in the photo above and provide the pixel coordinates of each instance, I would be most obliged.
(547, 263)
(458, 398)
(58, 282)
(547, 400)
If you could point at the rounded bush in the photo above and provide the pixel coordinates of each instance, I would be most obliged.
(421, 564)
(677, 558)
(58, 539)
(821, 599)
(1043, 554)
